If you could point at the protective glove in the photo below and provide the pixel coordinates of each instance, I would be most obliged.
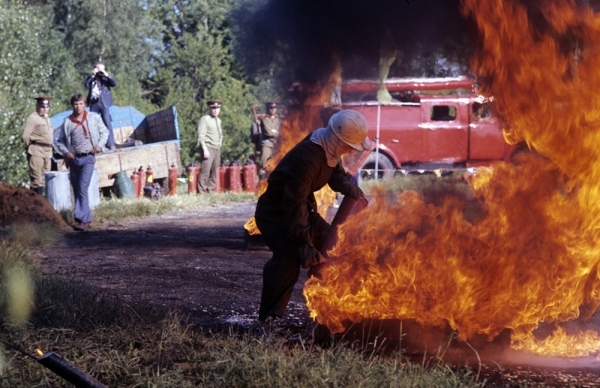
(309, 256)
(353, 191)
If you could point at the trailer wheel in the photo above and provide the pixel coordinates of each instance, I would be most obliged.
(385, 168)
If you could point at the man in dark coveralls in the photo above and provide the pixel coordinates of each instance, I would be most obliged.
(286, 214)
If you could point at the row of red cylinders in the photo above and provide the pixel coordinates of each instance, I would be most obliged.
(141, 179)
(229, 178)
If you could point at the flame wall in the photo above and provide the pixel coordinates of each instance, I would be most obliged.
(532, 255)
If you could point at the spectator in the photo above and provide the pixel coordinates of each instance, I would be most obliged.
(38, 138)
(270, 125)
(100, 97)
(286, 214)
(210, 139)
(82, 136)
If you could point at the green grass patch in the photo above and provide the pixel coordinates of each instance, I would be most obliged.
(167, 354)
(430, 185)
(29, 235)
(114, 209)
(447, 190)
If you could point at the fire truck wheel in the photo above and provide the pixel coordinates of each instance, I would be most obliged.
(385, 168)
(522, 151)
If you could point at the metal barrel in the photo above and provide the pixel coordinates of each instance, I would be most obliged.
(235, 178)
(124, 185)
(58, 190)
(249, 177)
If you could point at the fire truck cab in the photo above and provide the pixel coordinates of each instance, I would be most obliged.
(429, 124)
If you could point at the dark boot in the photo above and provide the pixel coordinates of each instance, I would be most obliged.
(38, 190)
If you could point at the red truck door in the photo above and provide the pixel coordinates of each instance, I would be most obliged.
(399, 132)
(487, 141)
(445, 126)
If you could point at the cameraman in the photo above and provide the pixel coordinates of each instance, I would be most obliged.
(99, 97)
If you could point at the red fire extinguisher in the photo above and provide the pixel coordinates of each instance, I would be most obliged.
(222, 183)
(173, 173)
(149, 176)
(235, 177)
(193, 172)
(135, 177)
(249, 177)
(142, 175)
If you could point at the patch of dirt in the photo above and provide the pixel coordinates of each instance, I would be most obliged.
(194, 262)
(21, 205)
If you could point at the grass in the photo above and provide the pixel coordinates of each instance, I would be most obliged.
(430, 185)
(135, 345)
(166, 354)
(113, 208)
(28, 235)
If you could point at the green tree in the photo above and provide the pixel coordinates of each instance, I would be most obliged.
(197, 65)
(23, 75)
(120, 33)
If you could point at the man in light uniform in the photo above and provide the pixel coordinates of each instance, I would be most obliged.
(210, 139)
(270, 125)
(38, 138)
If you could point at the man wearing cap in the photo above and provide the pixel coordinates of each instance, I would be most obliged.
(82, 136)
(38, 138)
(210, 139)
(270, 125)
(286, 214)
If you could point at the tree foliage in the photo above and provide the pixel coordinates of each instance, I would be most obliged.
(196, 65)
(22, 76)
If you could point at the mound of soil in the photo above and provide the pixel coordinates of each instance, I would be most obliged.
(21, 205)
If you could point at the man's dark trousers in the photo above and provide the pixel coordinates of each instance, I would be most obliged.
(281, 272)
(104, 111)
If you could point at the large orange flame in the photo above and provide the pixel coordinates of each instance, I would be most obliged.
(532, 254)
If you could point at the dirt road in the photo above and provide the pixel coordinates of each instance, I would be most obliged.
(194, 262)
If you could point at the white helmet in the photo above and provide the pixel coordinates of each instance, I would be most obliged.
(350, 127)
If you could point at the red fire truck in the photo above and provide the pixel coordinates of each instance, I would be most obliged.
(429, 124)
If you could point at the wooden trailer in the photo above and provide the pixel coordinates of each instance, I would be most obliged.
(142, 141)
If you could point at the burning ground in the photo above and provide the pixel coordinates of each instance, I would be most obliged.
(529, 264)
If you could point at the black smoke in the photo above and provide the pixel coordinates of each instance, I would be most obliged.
(306, 39)
(310, 36)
